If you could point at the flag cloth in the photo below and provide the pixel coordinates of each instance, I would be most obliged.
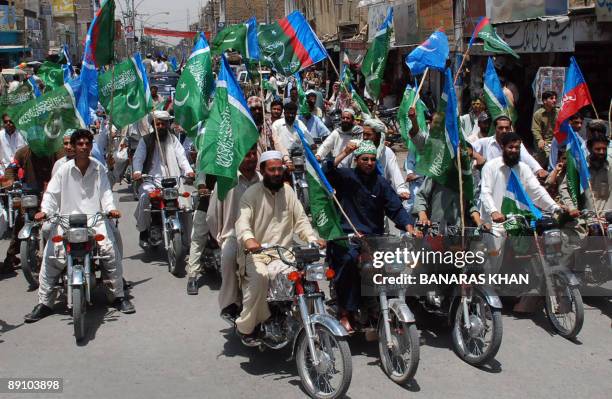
(44, 120)
(230, 132)
(492, 42)
(101, 36)
(252, 43)
(303, 108)
(130, 99)
(324, 214)
(66, 62)
(232, 37)
(194, 88)
(431, 54)
(20, 95)
(363, 108)
(346, 77)
(290, 45)
(575, 96)
(516, 200)
(51, 74)
(494, 97)
(375, 61)
(405, 123)
(34, 85)
(577, 168)
(437, 159)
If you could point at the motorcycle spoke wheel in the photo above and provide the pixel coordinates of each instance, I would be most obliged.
(565, 309)
(480, 342)
(400, 362)
(331, 377)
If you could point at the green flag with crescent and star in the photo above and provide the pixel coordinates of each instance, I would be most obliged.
(128, 101)
(194, 89)
(43, 121)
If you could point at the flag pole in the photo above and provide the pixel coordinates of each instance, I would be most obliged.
(263, 105)
(109, 155)
(418, 93)
(594, 207)
(338, 75)
(461, 65)
(345, 215)
(461, 206)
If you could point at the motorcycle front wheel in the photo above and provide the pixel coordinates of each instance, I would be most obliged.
(78, 312)
(565, 309)
(332, 376)
(478, 343)
(176, 254)
(29, 263)
(400, 360)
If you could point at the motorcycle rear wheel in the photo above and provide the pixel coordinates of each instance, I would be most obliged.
(568, 300)
(78, 312)
(400, 363)
(335, 361)
(475, 350)
(29, 262)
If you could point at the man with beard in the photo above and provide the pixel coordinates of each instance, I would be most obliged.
(493, 185)
(264, 127)
(367, 198)
(221, 219)
(311, 101)
(284, 134)
(270, 213)
(147, 160)
(601, 179)
(337, 141)
(469, 122)
(10, 141)
(491, 147)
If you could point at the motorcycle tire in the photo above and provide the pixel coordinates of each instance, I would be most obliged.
(324, 337)
(304, 199)
(29, 262)
(78, 312)
(399, 368)
(462, 348)
(176, 255)
(561, 284)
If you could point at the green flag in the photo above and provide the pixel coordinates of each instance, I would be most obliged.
(129, 101)
(492, 42)
(233, 37)
(405, 123)
(303, 108)
(363, 108)
(375, 61)
(42, 121)
(51, 74)
(230, 133)
(194, 88)
(22, 94)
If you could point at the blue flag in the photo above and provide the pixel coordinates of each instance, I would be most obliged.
(431, 54)
(574, 147)
(312, 163)
(34, 85)
(174, 63)
(451, 118)
(516, 200)
(251, 41)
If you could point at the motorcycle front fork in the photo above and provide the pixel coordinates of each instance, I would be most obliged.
(466, 298)
(309, 327)
(386, 318)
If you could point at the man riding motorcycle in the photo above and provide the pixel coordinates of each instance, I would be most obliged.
(147, 160)
(339, 138)
(80, 186)
(270, 213)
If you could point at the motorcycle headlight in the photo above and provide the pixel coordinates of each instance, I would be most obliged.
(77, 235)
(29, 201)
(315, 272)
(170, 193)
(552, 237)
(298, 161)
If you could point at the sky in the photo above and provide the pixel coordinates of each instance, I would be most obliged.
(176, 20)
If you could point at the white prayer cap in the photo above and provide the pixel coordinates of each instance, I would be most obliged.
(350, 111)
(375, 124)
(269, 155)
(162, 115)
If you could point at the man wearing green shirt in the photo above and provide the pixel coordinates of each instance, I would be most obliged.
(543, 126)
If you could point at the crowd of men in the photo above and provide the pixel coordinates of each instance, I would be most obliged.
(263, 207)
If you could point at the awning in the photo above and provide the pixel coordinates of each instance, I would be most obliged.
(14, 49)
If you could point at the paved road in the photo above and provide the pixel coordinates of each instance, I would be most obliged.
(177, 346)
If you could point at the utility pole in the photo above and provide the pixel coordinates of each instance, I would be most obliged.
(267, 11)
(76, 29)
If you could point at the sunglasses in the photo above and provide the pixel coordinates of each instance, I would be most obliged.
(7, 122)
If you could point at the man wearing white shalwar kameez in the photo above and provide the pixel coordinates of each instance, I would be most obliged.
(147, 160)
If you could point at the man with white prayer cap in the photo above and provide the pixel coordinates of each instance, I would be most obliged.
(270, 213)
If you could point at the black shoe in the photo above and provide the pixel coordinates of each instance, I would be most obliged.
(124, 305)
(40, 311)
(251, 339)
(192, 286)
(230, 313)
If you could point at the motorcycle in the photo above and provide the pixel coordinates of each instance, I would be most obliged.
(299, 318)
(593, 260)
(298, 177)
(29, 238)
(78, 280)
(539, 253)
(472, 310)
(166, 224)
(390, 318)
